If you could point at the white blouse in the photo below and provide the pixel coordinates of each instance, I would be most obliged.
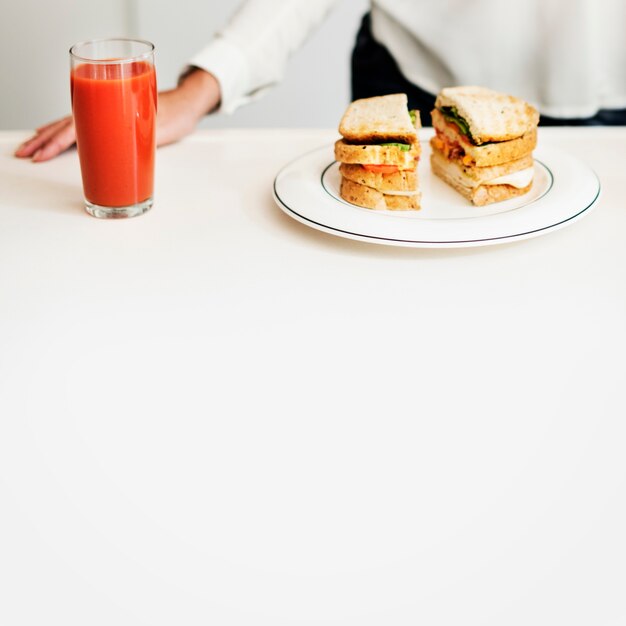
(566, 57)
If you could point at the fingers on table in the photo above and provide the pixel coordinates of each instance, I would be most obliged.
(48, 141)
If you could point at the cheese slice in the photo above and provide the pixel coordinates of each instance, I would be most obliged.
(520, 179)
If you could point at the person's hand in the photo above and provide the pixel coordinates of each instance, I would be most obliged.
(49, 140)
(179, 111)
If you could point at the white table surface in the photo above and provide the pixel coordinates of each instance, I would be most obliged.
(214, 415)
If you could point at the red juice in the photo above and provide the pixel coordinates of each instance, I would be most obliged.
(114, 107)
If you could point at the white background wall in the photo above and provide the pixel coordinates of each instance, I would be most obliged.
(35, 36)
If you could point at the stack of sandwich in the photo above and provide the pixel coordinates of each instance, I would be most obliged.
(483, 143)
(378, 154)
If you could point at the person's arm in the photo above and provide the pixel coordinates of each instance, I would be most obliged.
(250, 54)
(178, 112)
(247, 57)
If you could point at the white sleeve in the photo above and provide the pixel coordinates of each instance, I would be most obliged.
(250, 53)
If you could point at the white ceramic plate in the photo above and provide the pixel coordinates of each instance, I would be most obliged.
(564, 189)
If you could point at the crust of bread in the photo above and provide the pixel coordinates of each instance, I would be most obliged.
(490, 115)
(376, 155)
(471, 175)
(479, 195)
(403, 180)
(487, 154)
(370, 198)
(381, 118)
(488, 194)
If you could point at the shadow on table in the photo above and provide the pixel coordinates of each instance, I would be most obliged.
(39, 193)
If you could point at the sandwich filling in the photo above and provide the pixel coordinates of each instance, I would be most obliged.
(519, 179)
(451, 149)
(386, 168)
(452, 116)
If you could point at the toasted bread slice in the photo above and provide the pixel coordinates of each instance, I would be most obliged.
(490, 115)
(473, 189)
(472, 176)
(376, 154)
(403, 180)
(370, 198)
(487, 154)
(379, 119)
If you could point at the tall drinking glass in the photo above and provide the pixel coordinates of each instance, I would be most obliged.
(114, 99)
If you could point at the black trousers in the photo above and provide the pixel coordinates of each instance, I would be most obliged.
(375, 73)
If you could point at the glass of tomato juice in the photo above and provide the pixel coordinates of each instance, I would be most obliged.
(114, 100)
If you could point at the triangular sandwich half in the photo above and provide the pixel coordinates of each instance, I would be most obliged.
(483, 143)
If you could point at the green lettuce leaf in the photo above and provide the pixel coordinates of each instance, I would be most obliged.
(452, 115)
(405, 147)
